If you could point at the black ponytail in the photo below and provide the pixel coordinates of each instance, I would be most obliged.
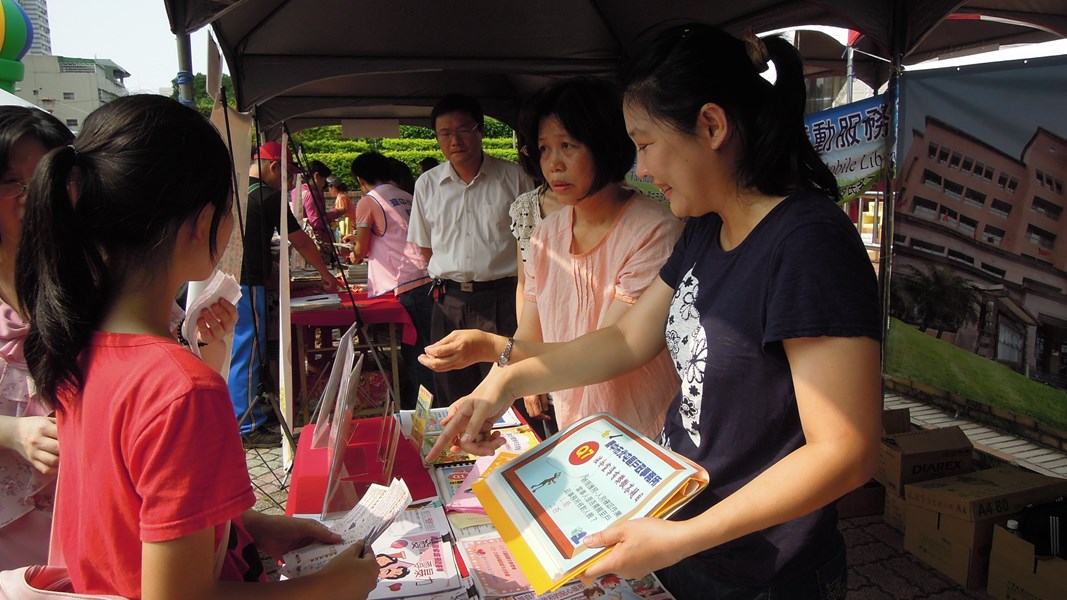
(682, 68)
(60, 276)
(103, 211)
(779, 151)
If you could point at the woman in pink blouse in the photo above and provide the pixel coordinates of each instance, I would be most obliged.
(587, 263)
(29, 448)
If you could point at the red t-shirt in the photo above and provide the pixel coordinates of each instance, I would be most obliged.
(150, 452)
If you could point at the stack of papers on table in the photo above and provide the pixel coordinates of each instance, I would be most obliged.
(417, 556)
(357, 274)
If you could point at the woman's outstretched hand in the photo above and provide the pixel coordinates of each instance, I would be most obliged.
(458, 350)
(469, 424)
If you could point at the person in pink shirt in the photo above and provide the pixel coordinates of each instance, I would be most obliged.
(29, 448)
(312, 196)
(394, 265)
(588, 262)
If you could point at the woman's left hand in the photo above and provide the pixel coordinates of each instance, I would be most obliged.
(216, 322)
(277, 534)
(639, 547)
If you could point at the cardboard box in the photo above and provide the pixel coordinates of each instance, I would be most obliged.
(922, 455)
(897, 420)
(862, 501)
(895, 511)
(1015, 573)
(958, 548)
(985, 495)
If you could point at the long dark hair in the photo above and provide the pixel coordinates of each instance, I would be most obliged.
(106, 209)
(686, 66)
(590, 109)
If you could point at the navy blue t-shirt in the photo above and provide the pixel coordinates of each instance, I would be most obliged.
(802, 272)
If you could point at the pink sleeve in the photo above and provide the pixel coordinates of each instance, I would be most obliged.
(365, 210)
(370, 213)
(310, 210)
(188, 465)
(652, 237)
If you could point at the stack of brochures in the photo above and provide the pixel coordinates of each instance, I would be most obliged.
(426, 427)
(417, 556)
(356, 274)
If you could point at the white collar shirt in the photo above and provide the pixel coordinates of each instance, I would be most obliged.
(467, 226)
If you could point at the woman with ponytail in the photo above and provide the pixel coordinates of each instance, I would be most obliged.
(153, 474)
(769, 308)
(29, 448)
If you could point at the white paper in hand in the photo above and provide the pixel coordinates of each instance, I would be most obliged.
(366, 521)
(221, 285)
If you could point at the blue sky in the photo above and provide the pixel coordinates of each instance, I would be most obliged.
(135, 34)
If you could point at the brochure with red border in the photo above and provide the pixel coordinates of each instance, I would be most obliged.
(588, 476)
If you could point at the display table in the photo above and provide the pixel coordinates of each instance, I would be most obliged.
(311, 467)
(383, 310)
(374, 311)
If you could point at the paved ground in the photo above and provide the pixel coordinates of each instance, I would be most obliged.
(269, 479)
(880, 569)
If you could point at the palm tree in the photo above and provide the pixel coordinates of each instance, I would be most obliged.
(934, 298)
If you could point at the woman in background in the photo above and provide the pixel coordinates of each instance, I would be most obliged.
(527, 212)
(342, 202)
(587, 263)
(29, 445)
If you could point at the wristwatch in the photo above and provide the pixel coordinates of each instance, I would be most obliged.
(505, 356)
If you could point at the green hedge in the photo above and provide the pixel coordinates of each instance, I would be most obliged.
(328, 146)
(493, 129)
(341, 162)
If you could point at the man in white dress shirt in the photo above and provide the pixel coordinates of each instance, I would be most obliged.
(460, 221)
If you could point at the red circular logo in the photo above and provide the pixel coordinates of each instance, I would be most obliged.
(582, 454)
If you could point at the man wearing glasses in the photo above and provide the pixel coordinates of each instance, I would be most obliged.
(460, 220)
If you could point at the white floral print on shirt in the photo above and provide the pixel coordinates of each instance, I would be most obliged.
(688, 346)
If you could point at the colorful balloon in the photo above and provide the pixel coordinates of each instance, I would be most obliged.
(16, 36)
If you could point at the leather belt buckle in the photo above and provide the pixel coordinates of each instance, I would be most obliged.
(466, 286)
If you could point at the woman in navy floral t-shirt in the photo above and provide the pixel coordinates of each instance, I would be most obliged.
(769, 307)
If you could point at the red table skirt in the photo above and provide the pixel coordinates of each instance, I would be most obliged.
(383, 309)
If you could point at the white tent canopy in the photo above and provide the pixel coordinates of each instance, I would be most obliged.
(9, 99)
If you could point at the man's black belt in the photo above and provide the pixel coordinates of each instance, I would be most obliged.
(478, 286)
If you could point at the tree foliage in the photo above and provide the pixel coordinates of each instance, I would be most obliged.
(203, 101)
(934, 298)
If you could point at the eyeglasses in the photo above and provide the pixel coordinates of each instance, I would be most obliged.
(12, 188)
(463, 132)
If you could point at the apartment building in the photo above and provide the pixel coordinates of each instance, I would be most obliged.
(997, 220)
(37, 11)
(71, 88)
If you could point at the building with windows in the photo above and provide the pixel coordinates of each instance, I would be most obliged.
(37, 11)
(71, 88)
(997, 220)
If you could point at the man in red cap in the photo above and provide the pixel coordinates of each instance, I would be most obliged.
(262, 219)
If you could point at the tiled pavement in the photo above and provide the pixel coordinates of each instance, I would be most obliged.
(269, 479)
(879, 568)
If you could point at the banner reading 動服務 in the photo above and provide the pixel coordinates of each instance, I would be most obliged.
(853, 141)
